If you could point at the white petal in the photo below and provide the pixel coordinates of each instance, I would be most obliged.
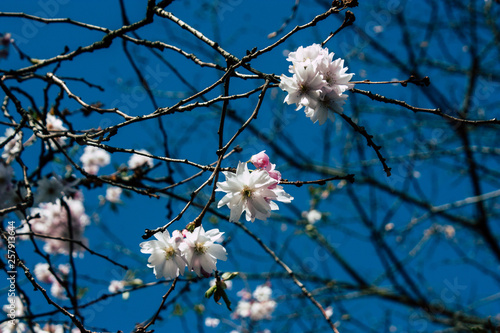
(218, 251)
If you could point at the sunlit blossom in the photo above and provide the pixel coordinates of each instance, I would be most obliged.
(165, 256)
(250, 192)
(318, 83)
(94, 158)
(201, 250)
(138, 160)
(13, 147)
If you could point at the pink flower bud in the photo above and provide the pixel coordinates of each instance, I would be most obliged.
(260, 160)
(274, 174)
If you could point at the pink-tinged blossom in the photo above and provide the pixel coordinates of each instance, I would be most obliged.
(327, 95)
(13, 146)
(201, 252)
(260, 160)
(12, 326)
(243, 309)
(138, 161)
(17, 305)
(165, 256)
(244, 294)
(57, 290)
(50, 328)
(116, 286)
(52, 220)
(43, 274)
(334, 73)
(250, 192)
(262, 310)
(308, 56)
(113, 194)
(55, 124)
(16, 310)
(258, 307)
(327, 106)
(64, 269)
(94, 158)
(304, 88)
(262, 293)
(275, 174)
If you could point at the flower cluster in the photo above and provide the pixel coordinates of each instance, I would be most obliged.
(13, 147)
(55, 124)
(318, 82)
(113, 194)
(51, 219)
(169, 255)
(14, 309)
(94, 158)
(44, 275)
(257, 305)
(138, 161)
(253, 192)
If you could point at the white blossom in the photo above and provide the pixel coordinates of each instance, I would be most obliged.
(212, 322)
(94, 158)
(243, 309)
(116, 286)
(113, 194)
(306, 56)
(49, 328)
(55, 124)
(329, 311)
(43, 274)
(53, 221)
(18, 327)
(13, 146)
(262, 293)
(201, 252)
(318, 83)
(251, 192)
(137, 160)
(57, 290)
(258, 307)
(64, 269)
(262, 310)
(15, 306)
(312, 216)
(304, 88)
(165, 258)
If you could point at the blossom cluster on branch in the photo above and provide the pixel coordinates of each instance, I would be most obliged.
(256, 306)
(253, 191)
(318, 82)
(196, 250)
